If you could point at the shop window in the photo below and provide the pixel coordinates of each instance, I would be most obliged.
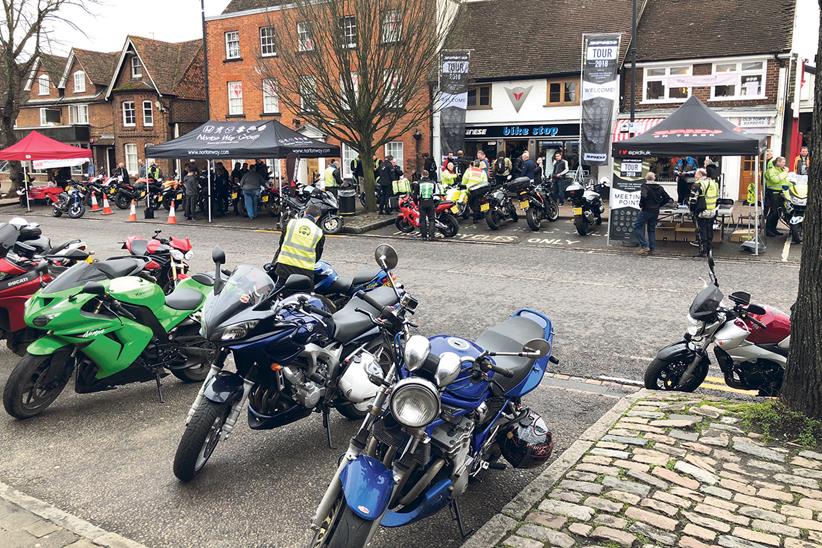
(305, 37)
(131, 158)
(268, 43)
(479, 97)
(394, 97)
(43, 84)
(129, 114)
(271, 102)
(395, 150)
(136, 67)
(391, 27)
(148, 114)
(49, 117)
(348, 32)
(563, 92)
(749, 83)
(232, 44)
(235, 98)
(78, 114)
(79, 81)
(308, 94)
(657, 88)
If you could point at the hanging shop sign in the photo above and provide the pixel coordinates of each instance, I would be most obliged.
(600, 91)
(518, 95)
(523, 131)
(453, 98)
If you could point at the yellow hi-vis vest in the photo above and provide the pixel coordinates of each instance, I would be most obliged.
(330, 182)
(473, 177)
(448, 178)
(710, 190)
(775, 178)
(299, 247)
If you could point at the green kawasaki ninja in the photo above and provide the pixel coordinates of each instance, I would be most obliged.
(112, 327)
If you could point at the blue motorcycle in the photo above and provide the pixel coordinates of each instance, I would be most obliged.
(294, 354)
(453, 412)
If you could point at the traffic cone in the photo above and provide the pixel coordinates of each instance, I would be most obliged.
(106, 208)
(132, 216)
(94, 205)
(172, 216)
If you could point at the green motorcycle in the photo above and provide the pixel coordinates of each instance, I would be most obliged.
(112, 327)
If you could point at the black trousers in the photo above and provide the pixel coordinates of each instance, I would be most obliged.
(190, 202)
(474, 203)
(773, 206)
(706, 234)
(683, 190)
(385, 194)
(428, 220)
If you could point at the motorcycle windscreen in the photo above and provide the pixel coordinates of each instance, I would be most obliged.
(8, 235)
(706, 303)
(76, 276)
(246, 288)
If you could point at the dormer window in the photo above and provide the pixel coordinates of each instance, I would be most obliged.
(79, 81)
(43, 84)
(136, 67)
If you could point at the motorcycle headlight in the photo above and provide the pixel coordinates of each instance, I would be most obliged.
(42, 321)
(238, 331)
(415, 402)
(416, 351)
(695, 327)
(189, 254)
(177, 255)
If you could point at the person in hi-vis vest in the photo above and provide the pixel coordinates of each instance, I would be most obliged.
(301, 246)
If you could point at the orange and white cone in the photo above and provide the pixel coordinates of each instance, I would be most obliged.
(172, 216)
(94, 205)
(106, 208)
(132, 216)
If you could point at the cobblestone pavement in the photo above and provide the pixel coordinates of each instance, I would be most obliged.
(673, 470)
(26, 522)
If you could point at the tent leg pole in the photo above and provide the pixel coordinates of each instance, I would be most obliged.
(756, 208)
(209, 189)
(26, 186)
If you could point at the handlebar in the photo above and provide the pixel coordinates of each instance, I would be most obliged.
(500, 371)
(318, 311)
(367, 298)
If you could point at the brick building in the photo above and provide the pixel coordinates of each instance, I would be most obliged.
(157, 93)
(237, 39)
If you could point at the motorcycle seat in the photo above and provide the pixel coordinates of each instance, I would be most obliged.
(365, 276)
(61, 247)
(350, 324)
(342, 285)
(139, 247)
(41, 244)
(184, 298)
(117, 268)
(510, 336)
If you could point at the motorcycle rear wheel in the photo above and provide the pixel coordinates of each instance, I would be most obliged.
(583, 227)
(534, 218)
(662, 375)
(56, 211)
(552, 211)
(199, 440)
(24, 396)
(122, 201)
(492, 218)
(403, 225)
(451, 226)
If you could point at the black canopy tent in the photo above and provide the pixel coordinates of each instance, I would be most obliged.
(217, 140)
(696, 130)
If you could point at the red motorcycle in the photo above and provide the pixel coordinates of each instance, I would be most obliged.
(39, 194)
(167, 257)
(408, 219)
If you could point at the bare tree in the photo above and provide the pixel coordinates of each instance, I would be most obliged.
(24, 32)
(358, 70)
(803, 379)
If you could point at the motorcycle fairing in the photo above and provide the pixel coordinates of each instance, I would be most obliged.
(367, 486)
(224, 388)
(432, 501)
(45, 346)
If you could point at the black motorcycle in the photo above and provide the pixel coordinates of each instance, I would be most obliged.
(71, 202)
(501, 203)
(542, 205)
(294, 205)
(128, 192)
(588, 208)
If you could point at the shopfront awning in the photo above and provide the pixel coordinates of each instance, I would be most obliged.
(641, 125)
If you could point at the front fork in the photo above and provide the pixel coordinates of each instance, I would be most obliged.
(701, 352)
(216, 367)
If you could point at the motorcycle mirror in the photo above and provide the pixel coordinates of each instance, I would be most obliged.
(94, 288)
(218, 256)
(386, 257)
(756, 309)
(539, 348)
(448, 369)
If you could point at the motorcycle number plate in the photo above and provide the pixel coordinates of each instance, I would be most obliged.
(485, 207)
(265, 199)
(577, 211)
(233, 195)
(525, 204)
(455, 209)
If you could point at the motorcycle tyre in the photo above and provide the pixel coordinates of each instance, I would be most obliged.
(657, 366)
(192, 444)
(492, 218)
(75, 211)
(56, 212)
(583, 228)
(328, 225)
(451, 225)
(796, 233)
(533, 218)
(122, 201)
(350, 530)
(552, 212)
(513, 214)
(403, 225)
(27, 367)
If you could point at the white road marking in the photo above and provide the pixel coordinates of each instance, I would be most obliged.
(786, 249)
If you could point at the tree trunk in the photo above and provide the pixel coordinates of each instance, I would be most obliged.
(367, 157)
(802, 390)
(7, 137)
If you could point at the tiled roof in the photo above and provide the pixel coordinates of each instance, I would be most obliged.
(521, 38)
(165, 61)
(243, 5)
(99, 66)
(693, 29)
(54, 65)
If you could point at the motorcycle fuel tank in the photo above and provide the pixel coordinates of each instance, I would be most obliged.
(777, 327)
(464, 387)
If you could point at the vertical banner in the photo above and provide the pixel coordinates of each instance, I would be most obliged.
(629, 175)
(453, 101)
(600, 92)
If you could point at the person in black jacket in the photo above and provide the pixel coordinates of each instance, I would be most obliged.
(652, 197)
(385, 178)
(429, 165)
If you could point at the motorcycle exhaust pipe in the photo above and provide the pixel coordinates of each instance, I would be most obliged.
(423, 482)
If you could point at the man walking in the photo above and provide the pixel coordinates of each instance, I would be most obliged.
(652, 197)
(703, 201)
(429, 165)
(684, 171)
(191, 184)
(251, 184)
(424, 191)
(775, 178)
(301, 246)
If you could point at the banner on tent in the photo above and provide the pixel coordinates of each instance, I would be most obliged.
(624, 198)
(600, 92)
(453, 101)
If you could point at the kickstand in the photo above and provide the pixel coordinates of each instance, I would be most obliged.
(327, 426)
(159, 387)
(456, 515)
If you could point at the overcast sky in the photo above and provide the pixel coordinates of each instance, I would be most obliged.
(178, 20)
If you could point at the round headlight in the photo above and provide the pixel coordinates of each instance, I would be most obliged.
(416, 351)
(415, 402)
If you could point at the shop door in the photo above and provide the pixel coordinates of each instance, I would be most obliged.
(515, 148)
(313, 169)
(747, 175)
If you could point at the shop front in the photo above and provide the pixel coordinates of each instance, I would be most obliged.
(541, 140)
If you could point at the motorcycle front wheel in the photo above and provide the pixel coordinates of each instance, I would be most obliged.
(796, 233)
(534, 218)
(331, 224)
(451, 226)
(342, 528)
(30, 389)
(199, 440)
(122, 201)
(552, 211)
(403, 225)
(492, 218)
(76, 210)
(662, 375)
(56, 211)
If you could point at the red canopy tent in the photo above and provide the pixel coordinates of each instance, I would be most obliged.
(36, 146)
